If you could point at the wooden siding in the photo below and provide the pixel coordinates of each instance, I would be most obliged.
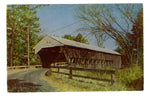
(78, 57)
(89, 59)
(52, 50)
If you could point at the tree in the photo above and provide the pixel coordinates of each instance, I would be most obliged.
(78, 38)
(18, 18)
(89, 15)
(100, 38)
(69, 37)
(114, 21)
(137, 37)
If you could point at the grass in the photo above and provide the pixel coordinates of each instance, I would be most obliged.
(128, 79)
(63, 83)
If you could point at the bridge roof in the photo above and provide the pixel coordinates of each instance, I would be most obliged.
(53, 41)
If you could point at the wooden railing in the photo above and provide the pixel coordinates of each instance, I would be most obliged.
(70, 74)
(17, 67)
(23, 67)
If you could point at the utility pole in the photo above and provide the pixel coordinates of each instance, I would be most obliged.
(11, 46)
(28, 37)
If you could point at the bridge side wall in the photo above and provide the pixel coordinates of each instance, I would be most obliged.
(90, 59)
(77, 57)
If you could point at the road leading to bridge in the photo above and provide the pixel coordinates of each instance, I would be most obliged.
(29, 80)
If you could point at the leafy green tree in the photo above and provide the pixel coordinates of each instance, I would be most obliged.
(69, 37)
(78, 38)
(19, 17)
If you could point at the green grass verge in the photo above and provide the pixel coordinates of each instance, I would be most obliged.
(63, 83)
(128, 79)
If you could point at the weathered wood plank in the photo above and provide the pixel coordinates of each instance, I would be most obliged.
(87, 77)
(90, 70)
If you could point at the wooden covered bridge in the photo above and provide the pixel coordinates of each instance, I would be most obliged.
(52, 49)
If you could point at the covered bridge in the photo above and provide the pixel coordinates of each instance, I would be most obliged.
(52, 49)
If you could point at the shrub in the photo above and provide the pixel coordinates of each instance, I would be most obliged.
(131, 77)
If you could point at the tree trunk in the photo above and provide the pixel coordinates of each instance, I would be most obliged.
(137, 60)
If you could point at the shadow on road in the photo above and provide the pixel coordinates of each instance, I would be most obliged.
(15, 85)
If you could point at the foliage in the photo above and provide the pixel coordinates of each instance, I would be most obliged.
(69, 37)
(78, 38)
(137, 38)
(19, 17)
(131, 77)
(135, 42)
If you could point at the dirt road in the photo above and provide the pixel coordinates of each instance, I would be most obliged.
(29, 80)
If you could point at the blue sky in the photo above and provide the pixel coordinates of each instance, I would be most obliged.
(60, 20)
(54, 17)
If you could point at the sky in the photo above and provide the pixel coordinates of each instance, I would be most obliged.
(59, 20)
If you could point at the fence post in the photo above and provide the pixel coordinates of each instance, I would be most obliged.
(70, 76)
(58, 69)
(112, 78)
